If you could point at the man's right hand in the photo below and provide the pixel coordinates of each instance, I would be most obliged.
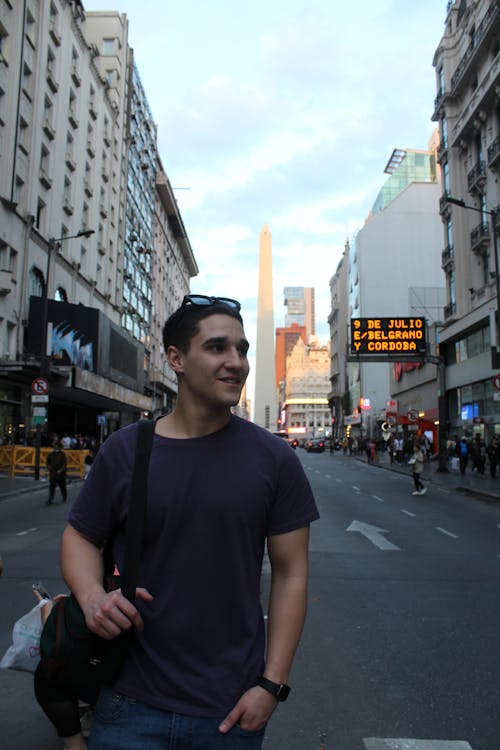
(108, 614)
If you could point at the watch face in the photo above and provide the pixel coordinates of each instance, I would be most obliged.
(283, 692)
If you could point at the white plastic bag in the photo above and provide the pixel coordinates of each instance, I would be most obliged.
(24, 653)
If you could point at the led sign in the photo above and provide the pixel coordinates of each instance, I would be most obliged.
(388, 336)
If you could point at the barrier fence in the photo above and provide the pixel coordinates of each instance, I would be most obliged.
(19, 460)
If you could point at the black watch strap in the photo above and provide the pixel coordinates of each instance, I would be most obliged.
(279, 690)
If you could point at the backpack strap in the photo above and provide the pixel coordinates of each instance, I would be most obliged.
(137, 508)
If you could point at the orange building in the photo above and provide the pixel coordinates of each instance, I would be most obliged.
(286, 338)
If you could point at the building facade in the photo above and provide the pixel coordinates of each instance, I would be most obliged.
(306, 409)
(338, 397)
(72, 186)
(394, 270)
(300, 308)
(467, 109)
(173, 267)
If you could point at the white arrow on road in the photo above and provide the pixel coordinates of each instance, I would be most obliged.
(374, 535)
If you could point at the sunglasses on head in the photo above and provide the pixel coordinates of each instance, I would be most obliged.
(201, 300)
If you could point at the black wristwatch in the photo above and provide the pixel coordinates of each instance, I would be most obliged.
(279, 690)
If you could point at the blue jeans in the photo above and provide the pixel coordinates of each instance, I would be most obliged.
(121, 723)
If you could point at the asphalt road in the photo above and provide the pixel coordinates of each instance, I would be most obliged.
(401, 650)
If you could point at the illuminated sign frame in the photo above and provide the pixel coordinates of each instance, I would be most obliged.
(388, 337)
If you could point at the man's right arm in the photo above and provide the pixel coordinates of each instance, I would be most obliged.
(106, 614)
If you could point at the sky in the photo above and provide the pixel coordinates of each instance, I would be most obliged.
(285, 113)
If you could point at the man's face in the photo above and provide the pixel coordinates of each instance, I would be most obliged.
(215, 368)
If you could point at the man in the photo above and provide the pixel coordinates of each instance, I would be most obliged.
(198, 675)
(57, 464)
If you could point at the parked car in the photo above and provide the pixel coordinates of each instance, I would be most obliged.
(315, 445)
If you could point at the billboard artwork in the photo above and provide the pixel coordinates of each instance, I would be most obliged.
(380, 336)
(72, 333)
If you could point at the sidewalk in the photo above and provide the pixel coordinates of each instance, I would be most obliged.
(473, 484)
(12, 486)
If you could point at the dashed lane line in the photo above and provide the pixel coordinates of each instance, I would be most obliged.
(408, 513)
(448, 533)
(380, 499)
(374, 743)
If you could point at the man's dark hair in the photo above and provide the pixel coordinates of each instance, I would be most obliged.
(183, 324)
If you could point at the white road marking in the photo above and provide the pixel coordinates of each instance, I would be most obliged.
(373, 743)
(328, 476)
(448, 533)
(339, 480)
(358, 489)
(374, 535)
(407, 512)
(380, 499)
(23, 533)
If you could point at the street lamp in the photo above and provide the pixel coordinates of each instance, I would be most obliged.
(44, 358)
(495, 354)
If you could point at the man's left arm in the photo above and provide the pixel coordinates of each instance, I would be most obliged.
(288, 554)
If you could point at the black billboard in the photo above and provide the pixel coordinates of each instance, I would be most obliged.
(86, 338)
(388, 336)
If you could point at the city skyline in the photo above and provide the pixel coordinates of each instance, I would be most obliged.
(286, 116)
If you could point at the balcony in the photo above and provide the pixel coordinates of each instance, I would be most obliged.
(45, 178)
(68, 207)
(75, 76)
(494, 153)
(480, 238)
(48, 129)
(70, 162)
(5, 282)
(442, 151)
(53, 85)
(73, 119)
(93, 110)
(449, 310)
(442, 99)
(56, 37)
(447, 259)
(87, 186)
(91, 148)
(477, 177)
(444, 206)
(478, 44)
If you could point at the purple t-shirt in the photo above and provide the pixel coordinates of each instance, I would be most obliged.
(212, 501)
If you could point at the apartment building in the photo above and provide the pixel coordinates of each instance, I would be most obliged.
(305, 410)
(467, 108)
(173, 267)
(394, 270)
(78, 183)
(338, 396)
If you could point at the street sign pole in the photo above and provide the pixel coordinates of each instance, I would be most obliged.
(39, 389)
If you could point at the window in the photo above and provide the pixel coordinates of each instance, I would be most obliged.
(36, 282)
(449, 235)
(108, 46)
(60, 295)
(444, 131)
(441, 80)
(446, 178)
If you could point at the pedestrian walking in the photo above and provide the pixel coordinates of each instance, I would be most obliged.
(417, 464)
(57, 465)
(219, 488)
(462, 452)
(493, 451)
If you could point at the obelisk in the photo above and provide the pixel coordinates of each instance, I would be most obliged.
(265, 402)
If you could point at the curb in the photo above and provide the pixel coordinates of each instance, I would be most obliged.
(37, 488)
